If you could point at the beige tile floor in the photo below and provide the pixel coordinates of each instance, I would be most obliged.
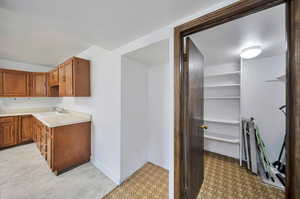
(223, 179)
(24, 174)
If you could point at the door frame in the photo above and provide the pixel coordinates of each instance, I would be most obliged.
(229, 13)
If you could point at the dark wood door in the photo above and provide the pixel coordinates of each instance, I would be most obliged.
(39, 84)
(193, 121)
(26, 128)
(15, 83)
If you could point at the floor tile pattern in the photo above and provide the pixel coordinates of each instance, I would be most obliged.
(224, 179)
(148, 182)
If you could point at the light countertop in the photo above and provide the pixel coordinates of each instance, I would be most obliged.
(51, 118)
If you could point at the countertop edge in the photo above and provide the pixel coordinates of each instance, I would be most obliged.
(82, 120)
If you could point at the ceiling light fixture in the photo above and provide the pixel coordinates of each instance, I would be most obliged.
(249, 53)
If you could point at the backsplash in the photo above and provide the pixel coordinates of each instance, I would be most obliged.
(10, 104)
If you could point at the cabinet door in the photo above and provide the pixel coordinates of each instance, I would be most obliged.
(38, 134)
(8, 132)
(49, 148)
(33, 130)
(1, 83)
(69, 78)
(53, 78)
(43, 141)
(39, 84)
(15, 83)
(26, 128)
(62, 81)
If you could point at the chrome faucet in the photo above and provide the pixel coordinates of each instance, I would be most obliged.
(60, 110)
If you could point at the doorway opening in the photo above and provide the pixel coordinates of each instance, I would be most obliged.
(238, 89)
(244, 103)
(145, 123)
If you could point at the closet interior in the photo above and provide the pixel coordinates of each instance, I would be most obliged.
(222, 109)
(145, 118)
(244, 80)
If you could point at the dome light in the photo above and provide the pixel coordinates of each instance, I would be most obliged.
(249, 53)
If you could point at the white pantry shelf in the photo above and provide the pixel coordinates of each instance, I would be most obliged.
(228, 97)
(222, 138)
(223, 74)
(223, 121)
(222, 85)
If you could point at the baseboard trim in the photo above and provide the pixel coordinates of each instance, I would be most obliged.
(106, 171)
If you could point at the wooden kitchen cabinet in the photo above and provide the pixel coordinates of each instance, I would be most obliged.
(62, 80)
(26, 128)
(8, 131)
(64, 147)
(74, 77)
(39, 84)
(71, 78)
(15, 83)
(53, 78)
(1, 83)
(49, 148)
(70, 146)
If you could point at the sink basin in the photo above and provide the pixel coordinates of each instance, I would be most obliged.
(50, 114)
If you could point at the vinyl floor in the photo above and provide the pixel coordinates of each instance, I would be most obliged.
(224, 179)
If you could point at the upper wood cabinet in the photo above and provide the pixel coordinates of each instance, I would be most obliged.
(15, 83)
(53, 78)
(62, 80)
(74, 77)
(8, 131)
(71, 78)
(39, 84)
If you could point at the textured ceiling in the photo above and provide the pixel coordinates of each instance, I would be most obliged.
(46, 32)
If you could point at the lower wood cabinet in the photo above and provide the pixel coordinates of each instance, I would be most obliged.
(8, 131)
(63, 147)
(25, 128)
(15, 130)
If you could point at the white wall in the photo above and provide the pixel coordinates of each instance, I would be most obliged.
(159, 96)
(10, 104)
(158, 35)
(134, 116)
(145, 115)
(261, 99)
(13, 65)
(105, 107)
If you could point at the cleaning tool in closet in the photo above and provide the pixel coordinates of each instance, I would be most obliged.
(255, 149)
(279, 164)
(249, 144)
(264, 159)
